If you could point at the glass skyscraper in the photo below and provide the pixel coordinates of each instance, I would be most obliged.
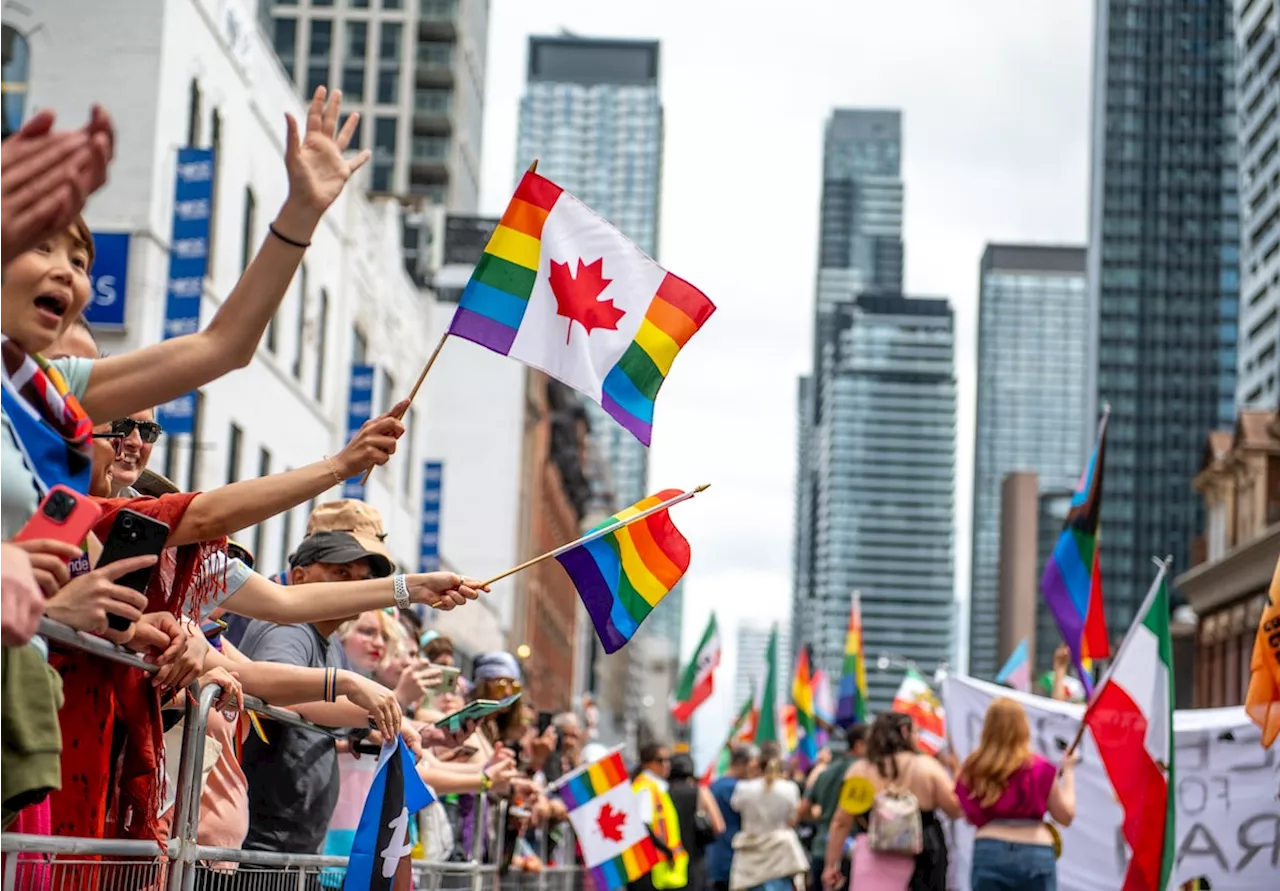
(883, 447)
(1163, 272)
(1033, 395)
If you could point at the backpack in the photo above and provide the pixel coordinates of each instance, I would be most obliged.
(894, 824)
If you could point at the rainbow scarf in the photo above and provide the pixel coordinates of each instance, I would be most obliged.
(52, 430)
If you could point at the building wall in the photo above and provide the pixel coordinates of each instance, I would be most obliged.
(751, 647)
(1033, 329)
(1258, 69)
(291, 402)
(415, 72)
(1164, 270)
(885, 496)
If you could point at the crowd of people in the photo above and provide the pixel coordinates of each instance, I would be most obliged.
(90, 746)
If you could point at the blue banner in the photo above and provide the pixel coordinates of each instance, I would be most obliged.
(188, 262)
(429, 545)
(359, 410)
(109, 281)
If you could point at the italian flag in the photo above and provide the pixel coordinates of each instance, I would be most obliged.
(697, 680)
(1131, 719)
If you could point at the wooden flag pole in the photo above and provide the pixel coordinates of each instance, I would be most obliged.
(431, 360)
(599, 533)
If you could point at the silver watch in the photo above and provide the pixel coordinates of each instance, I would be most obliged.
(402, 592)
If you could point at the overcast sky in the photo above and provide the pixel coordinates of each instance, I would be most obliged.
(994, 96)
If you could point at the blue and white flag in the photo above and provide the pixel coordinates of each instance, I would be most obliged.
(382, 839)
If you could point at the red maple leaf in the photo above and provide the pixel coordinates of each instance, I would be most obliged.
(611, 823)
(577, 299)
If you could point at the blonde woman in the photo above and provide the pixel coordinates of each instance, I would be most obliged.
(767, 853)
(1005, 790)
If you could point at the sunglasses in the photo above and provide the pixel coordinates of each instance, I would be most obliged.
(148, 431)
(504, 686)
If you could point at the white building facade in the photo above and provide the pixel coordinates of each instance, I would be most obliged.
(350, 304)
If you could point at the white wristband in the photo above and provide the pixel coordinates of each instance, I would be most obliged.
(402, 592)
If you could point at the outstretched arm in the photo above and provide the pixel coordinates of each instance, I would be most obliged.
(261, 598)
(142, 379)
(226, 510)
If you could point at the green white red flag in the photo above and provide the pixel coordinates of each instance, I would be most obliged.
(737, 736)
(916, 698)
(767, 719)
(697, 680)
(1131, 719)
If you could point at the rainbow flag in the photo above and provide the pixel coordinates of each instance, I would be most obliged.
(606, 816)
(802, 697)
(561, 289)
(622, 576)
(1072, 582)
(852, 706)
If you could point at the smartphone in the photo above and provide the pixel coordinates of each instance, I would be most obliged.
(448, 678)
(475, 710)
(132, 535)
(64, 515)
(544, 721)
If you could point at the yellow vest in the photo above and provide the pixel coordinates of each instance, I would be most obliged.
(673, 873)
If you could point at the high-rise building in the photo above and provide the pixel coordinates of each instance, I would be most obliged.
(1258, 90)
(1033, 341)
(860, 243)
(414, 69)
(883, 444)
(591, 116)
(752, 645)
(1164, 246)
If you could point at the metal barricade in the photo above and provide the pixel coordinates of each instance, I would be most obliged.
(49, 863)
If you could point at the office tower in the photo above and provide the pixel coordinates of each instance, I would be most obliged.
(860, 243)
(883, 444)
(860, 250)
(752, 644)
(414, 69)
(591, 116)
(1258, 92)
(1163, 272)
(1033, 399)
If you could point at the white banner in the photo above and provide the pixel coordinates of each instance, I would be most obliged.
(1227, 787)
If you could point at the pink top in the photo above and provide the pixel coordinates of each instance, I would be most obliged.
(1026, 797)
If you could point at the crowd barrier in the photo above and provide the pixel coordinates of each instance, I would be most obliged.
(50, 863)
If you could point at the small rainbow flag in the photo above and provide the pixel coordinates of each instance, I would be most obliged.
(852, 707)
(623, 575)
(805, 744)
(561, 289)
(605, 812)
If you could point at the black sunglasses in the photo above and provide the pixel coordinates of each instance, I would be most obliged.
(148, 431)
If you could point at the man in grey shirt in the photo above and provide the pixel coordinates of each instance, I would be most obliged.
(293, 777)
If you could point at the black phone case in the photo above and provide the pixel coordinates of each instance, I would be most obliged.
(132, 535)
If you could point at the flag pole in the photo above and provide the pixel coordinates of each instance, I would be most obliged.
(431, 360)
(1164, 570)
(599, 533)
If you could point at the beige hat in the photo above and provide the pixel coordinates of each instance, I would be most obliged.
(344, 532)
(155, 484)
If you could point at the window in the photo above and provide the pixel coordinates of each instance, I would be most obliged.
(264, 469)
(353, 58)
(393, 4)
(384, 153)
(407, 442)
(247, 224)
(286, 538)
(358, 4)
(284, 35)
(233, 454)
(322, 344)
(193, 457)
(17, 63)
(318, 54)
(359, 347)
(389, 63)
(193, 113)
(321, 2)
(388, 392)
(215, 143)
(300, 329)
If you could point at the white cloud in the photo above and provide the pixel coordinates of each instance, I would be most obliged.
(994, 95)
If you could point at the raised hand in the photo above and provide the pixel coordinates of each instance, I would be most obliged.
(443, 590)
(316, 165)
(374, 443)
